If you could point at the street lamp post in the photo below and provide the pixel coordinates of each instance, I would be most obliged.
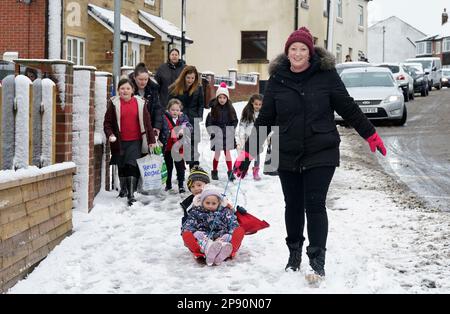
(183, 29)
(117, 52)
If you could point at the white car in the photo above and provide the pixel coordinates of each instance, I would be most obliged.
(404, 80)
(376, 92)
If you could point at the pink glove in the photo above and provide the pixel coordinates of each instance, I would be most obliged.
(375, 142)
(242, 164)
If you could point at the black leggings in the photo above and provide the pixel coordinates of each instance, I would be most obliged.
(129, 171)
(307, 192)
(179, 166)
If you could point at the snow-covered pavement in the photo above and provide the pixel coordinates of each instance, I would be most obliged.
(381, 240)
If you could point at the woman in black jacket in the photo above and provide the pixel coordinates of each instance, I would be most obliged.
(167, 74)
(147, 88)
(302, 94)
(188, 90)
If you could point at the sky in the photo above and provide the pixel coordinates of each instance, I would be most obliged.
(423, 15)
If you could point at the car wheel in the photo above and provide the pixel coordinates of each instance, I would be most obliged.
(423, 92)
(402, 120)
(430, 86)
(428, 92)
(439, 86)
(406, 96)
(412, 95)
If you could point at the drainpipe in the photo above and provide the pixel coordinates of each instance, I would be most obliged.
(296, 15)
(117, 43)
(330, 34)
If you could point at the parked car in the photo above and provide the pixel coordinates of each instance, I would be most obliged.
(404, 80)
(420, 79)
(6, 68)
(376, 92)
(445, 77)
(433, 68)
(349, 65)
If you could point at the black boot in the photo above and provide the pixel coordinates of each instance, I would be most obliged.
(123, 187)
(295, 256)
(316, 259)
(214, 175)
(181, 188)
(131, 186)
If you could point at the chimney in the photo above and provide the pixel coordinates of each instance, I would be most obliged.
(444, 17)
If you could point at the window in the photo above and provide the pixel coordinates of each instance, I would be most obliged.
(446, 45)
(304, 4)
(338, 53)
(424, 48)
(136, 54)
(75, 50)
(339, 9)
(325, 8)
(125, 54)
(254, 46)
(438, 47)
(149, 2)
(361, 15)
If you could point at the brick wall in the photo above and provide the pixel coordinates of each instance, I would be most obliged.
(23, 28)
(35, 216)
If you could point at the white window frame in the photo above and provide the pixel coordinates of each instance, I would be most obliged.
(75, 45)
(325, 8)
(438, 47)
(446, 45)
(339, 14)
(361, 16)
(150, 2)
(136, 54)
(125, 56)
(338, 53)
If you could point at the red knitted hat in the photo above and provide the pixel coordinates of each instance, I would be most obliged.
(300, 35)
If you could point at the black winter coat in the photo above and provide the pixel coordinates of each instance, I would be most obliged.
(151, 95)
(304, 112)
(223, 142)
(166, 75)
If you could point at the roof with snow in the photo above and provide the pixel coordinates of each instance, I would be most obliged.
(127, 26)
(163, 27)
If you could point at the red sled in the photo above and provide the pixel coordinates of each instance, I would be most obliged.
(250, 223)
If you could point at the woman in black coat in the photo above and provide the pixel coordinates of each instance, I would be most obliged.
(147, 88)
(188, 90)
(302, 94)
(167, 74)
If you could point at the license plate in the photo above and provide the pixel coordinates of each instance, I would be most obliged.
(369, 110)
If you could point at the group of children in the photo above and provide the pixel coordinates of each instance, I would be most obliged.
(222, 117)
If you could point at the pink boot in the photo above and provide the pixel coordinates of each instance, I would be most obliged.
(225, 252)
(212, 249)
(256, 176)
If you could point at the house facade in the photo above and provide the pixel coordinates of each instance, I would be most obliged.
(437, 45)
(245, 35)
(392, 40)
(81, 31)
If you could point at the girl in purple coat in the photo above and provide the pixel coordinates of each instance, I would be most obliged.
(212, 225)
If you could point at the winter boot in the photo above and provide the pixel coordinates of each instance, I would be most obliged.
(212, 249)
(131, 186)
(316, 259)
(295, 256)
(168, 186)
(123, 187)
(181, 188)
(231, 176)
(224, 253)
(256, 176)
(214, 175)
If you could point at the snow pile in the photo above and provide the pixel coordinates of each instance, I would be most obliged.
(32, 171)
(165, 26)
(101, 89)
(60, 75)
(22, 122)
(80, 144)
(37, 123)
(47, 122)
(374, 244)
(7, 124)
(54, 29)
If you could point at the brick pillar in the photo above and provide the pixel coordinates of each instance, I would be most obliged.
(91, 141)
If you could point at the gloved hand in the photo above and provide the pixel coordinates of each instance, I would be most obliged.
(242, 164)
(375, 142)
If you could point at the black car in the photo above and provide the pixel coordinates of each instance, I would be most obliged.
(421, 84)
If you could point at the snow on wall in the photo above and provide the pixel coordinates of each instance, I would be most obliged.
(101, 89)
(47, 122)
(80, 145)
(7, 127)
(37, 123)
(60, 75)
(22, 131)
(12, 175)
(54, 29)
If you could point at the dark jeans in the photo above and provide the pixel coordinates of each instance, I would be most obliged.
(307, 192)
(179, 165)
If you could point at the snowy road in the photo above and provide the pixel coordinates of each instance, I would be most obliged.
(381, 240)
